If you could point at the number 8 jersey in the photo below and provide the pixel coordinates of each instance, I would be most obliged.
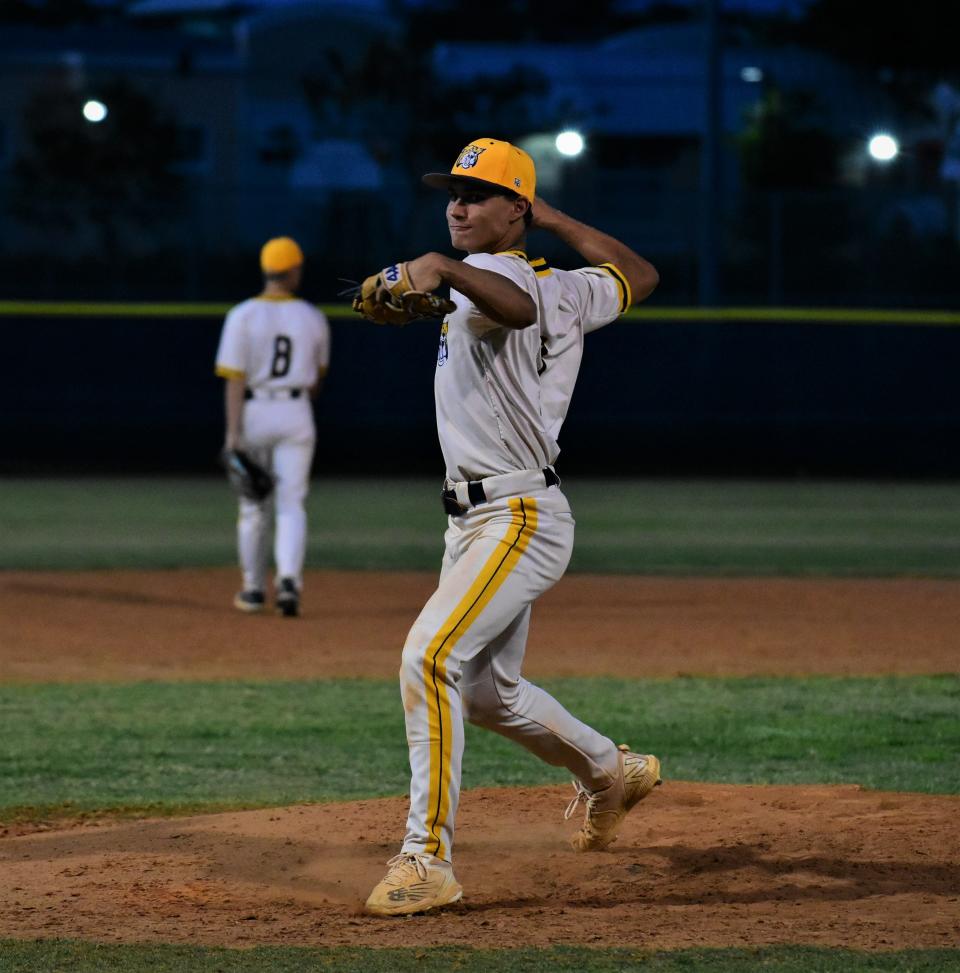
(274, 344)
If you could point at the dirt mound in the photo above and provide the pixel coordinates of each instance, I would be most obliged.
(696, 865)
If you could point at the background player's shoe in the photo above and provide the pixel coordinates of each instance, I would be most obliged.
(414, 883)
(249, 601)
(639, 774)
(288, 598)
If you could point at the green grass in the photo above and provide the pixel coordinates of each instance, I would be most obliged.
(73, 957)
(174, 747)
(639, 526)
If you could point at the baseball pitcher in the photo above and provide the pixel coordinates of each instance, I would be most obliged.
(274, 353)
(510, 349)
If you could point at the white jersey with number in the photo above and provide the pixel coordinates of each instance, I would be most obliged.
(274, 343)
(279, 346)
(502, 393)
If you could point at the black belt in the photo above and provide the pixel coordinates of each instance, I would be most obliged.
(275, 393)
(477, 494)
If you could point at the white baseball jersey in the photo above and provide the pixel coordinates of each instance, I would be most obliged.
(502, 395)
(274, 343)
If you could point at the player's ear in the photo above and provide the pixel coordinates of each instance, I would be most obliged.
(521, 207)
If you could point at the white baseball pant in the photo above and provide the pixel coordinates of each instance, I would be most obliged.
(463, 656)
(279, 435)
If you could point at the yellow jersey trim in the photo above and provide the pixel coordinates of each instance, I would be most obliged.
(276, 298)
(501, 562)
(626, 296)
(540, 267)
(233, 373)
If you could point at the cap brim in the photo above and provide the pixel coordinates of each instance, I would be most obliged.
(444, 180)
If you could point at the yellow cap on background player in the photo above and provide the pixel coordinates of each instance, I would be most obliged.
(280, 255)
(496, 164)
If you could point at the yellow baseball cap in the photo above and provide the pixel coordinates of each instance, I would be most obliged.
(498, 165)
(280, 255)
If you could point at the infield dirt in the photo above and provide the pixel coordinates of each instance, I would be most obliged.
(696, 864)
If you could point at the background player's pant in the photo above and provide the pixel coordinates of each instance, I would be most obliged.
(280, 436)
(465, 650)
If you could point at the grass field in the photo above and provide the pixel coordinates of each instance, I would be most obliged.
(67, 957)
(156, 747)
(650, 527)
(200, 746)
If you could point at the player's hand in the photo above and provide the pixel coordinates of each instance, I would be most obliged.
(425, 272)
(544, 216)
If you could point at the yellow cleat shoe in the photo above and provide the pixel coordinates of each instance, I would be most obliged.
(414, 883)
(639, 774)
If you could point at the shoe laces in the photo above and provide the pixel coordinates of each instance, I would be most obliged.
(409, 860)
(589, 798)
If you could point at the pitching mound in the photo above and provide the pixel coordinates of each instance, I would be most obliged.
(696, 865)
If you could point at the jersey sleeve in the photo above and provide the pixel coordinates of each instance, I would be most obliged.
(601, 295)
(509, 267)
(231, 359)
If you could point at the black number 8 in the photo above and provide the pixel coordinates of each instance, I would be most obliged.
(282, 352)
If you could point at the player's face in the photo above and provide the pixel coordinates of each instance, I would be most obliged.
(481, 221)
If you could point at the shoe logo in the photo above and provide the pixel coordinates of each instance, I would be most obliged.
(413, 894)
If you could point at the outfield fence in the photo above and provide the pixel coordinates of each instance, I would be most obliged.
(120, 387)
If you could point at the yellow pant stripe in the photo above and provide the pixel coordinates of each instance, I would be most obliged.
(498, 566)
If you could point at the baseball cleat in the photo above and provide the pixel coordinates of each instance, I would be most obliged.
(606, 809)
(414, 883)
(250, 602)
(288, 598)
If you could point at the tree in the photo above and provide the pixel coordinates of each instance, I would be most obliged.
(885, 34)
(782, 147)
(116, 175)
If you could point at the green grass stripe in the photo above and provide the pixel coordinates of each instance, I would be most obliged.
(182, 746)
(64, 956)
(663, 527)
(771, 315)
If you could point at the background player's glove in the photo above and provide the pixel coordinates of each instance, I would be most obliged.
(389, 297)
(247, 478)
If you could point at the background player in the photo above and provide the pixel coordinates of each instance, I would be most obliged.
(506, 367)
(274, 352)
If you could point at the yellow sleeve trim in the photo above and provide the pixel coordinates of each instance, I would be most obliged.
(225, 372)
(626, 295)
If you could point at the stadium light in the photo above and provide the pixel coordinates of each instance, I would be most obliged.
(569, 143)
(751, 74)
(94, 111)
(883, 147)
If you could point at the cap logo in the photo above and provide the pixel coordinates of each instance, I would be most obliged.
(469, 157)
(516, 182)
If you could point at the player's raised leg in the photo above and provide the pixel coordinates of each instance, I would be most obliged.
(609, 780)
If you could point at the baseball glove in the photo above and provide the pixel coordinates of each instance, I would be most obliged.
(389, 297)
(247, 478)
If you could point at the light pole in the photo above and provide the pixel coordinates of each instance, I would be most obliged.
(710, 159)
